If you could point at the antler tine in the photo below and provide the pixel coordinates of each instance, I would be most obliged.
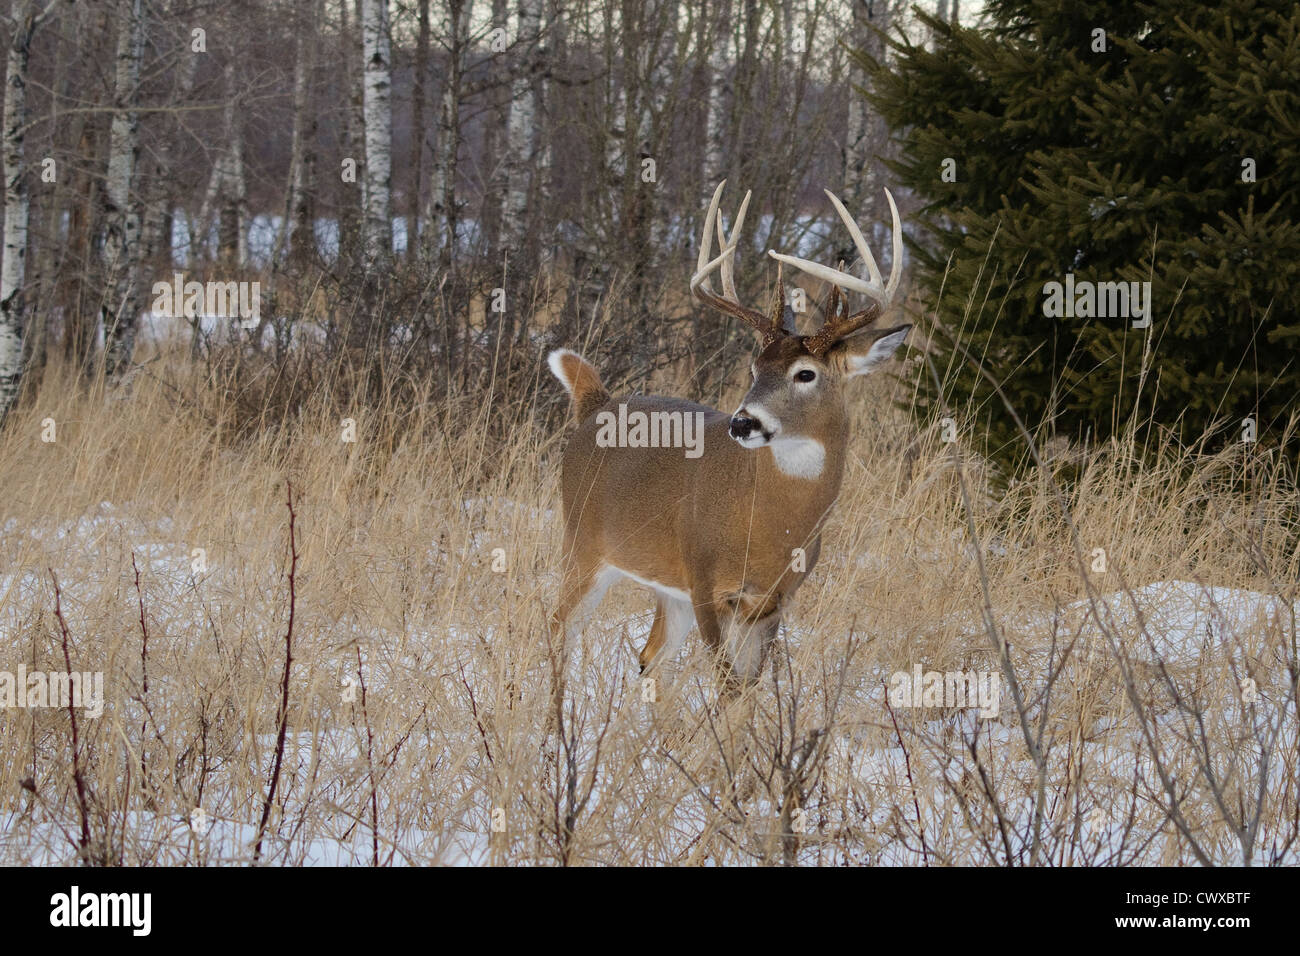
(835, 327)
(703, 265)
(859, 241)
(729, 264)
(706, 241)
(896, 266)
(830, 305)
(778, 310)
(728, 302)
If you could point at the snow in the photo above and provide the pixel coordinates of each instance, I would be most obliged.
(1188, 628)
(1186, 622)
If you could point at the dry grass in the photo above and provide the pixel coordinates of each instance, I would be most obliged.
(417, 727)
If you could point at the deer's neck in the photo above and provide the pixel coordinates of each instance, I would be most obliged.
(804, 472)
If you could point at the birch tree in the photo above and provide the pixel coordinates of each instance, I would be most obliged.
(41, 283)
(352, 199)
(864, 132)
(631, 127)
(557, 51)
(296, 222)
(122, 241)
(77, 278)
(378, 116)
(666, 72)
(522, 128)
(716, 120)
(442, 218)
(302, 158)
(24, 21)
(496, 147)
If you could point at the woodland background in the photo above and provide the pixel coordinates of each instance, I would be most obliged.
(314, 558)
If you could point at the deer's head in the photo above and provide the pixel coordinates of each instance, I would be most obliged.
(797, 396)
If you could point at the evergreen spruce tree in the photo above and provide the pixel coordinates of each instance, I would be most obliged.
(1111, 142)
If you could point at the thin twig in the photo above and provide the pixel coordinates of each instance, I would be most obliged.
(77, 777)
(907, 766)
(283, 716)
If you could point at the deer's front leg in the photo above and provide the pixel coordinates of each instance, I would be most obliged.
(706, 616)
(751, 630)
(741, 627)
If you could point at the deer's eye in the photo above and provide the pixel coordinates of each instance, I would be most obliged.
(805, 375)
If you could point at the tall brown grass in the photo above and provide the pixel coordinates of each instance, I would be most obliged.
(427, 567)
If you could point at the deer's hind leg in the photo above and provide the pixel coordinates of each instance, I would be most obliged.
(583, 589)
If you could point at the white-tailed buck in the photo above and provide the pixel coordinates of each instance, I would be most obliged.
(726, 529)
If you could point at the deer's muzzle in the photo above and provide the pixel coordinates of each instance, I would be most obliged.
(748, 429)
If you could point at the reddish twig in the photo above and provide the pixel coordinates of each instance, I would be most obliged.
(144, 670)
(77, 778)
(283, 715)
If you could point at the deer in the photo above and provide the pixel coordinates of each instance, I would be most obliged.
(724, 538)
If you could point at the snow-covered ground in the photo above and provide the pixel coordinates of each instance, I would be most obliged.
(1201, 647)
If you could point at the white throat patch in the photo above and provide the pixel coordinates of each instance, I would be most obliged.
(798, 457)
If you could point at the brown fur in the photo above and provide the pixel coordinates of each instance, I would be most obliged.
(723, 527)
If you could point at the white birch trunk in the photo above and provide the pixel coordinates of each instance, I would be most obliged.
(418, 130)
(352, 197)
(298, 226)
(865, 132)
(377, 110)
(855, 145)
(720, 56)
(201, 231)
(14, 268)
(787, 33)
(441, 227)
(616, 142)
(122, 242)
(239, 190)
(226, 197)
(522, 128)
(496, 147)
(434, 211)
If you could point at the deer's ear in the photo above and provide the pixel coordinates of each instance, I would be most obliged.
(864, 352)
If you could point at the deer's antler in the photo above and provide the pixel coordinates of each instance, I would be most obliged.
(729, 302)
(839, 323)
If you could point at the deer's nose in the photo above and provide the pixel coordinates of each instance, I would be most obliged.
(742, 426)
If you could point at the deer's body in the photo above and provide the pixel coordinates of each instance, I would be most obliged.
(656, 516)
(724, 538)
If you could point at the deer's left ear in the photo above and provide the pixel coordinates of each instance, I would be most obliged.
(864, 352)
